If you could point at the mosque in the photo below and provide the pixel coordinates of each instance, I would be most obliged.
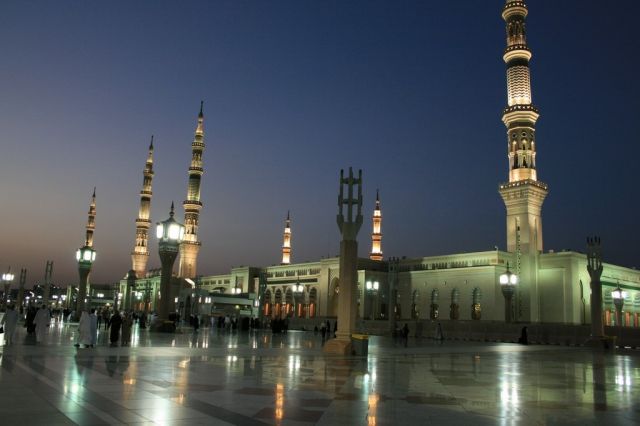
(553, 287)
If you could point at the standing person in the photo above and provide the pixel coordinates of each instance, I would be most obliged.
(196, 323)
(439, 333)
(31, 316)
(42, 320)
(115, 322)
(105, 317)
(127, 323)
(323, 330)
(94, 327)
(9, 321)
(84, 330)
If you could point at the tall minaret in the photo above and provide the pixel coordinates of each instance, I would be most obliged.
(192, 205)
(140, 253)
(91, 221)
(286, 243)
(523, 195)
(376, 235)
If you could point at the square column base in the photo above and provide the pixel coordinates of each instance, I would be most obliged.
(338, 347)
(605, 343)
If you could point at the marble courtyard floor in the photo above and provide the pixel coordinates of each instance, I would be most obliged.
(258, 379)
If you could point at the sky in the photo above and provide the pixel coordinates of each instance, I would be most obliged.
(411, 92)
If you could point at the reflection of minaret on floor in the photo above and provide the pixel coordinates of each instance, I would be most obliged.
(190, 245)
(376, 236)
(140, 254)
(286, 243)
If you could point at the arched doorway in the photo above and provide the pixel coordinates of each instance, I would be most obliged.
(415, 298)
(288, 300)
(313, 297)
(434, 313)
(266, 304)
(476, 307)
(277, 311)
(454, 308)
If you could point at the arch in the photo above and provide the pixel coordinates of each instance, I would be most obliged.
(454, 307)
(476, 307)
(288, 302)
(277, 309)
(266, 303)
(313, 300)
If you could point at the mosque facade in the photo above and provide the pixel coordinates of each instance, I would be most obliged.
(553, 286)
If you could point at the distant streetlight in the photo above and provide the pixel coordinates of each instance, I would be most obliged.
(508, 283)
(618, 296)
(7, 278)
(170, 234)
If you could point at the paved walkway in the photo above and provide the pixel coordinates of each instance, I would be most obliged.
(258, 379)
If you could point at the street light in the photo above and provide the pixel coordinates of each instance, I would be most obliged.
(508, 283)
(85, 256)
(372, 289)
(6, 279)
(170, 234)
(618, 296)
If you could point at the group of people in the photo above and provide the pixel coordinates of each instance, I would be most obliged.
(119, 326)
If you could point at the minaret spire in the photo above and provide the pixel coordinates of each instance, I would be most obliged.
(524, 194)
(91, 221)
(140, 253)
(192, 205)
(376, 235)
(286, 244)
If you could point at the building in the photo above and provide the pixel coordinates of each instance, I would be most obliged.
(553, 287)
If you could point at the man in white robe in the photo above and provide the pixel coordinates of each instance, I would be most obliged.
(9, 322)
(94, 327)
(42, 320)
(84, 330)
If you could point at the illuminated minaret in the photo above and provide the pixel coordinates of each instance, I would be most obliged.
(523, 195)
(192, 205)
(376, 235)
(91, 221)
(140, 253)
(286, 243)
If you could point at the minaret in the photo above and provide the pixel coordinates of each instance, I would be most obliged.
(376, 235)
(286, 243)
(140, 253)
(523, 195)
(192, 205)
(91, 221)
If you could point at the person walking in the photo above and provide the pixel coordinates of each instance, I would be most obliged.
(31, 316)
(127, 323)
(94, 327)
(405, 334)
(9, 322)
(42, 321)
(115, 323)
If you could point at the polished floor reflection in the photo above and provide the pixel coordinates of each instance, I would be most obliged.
(259, 379)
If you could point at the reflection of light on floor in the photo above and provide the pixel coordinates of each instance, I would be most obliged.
(294, 363)
(183, 363)
(373, 405)
(231, 359)
(129, 381)
(509, 385)
(279, 413)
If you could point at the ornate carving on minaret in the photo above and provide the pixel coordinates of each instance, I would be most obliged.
(91, 221)
(376, 235)
(286, 243)
(190, 245)
(140, 254)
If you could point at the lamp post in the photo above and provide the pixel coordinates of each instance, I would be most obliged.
(298, 289)
(170, 234)
(6, 279)
(85, 256)
(508, 283)
(618, 300)
(372, 290)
